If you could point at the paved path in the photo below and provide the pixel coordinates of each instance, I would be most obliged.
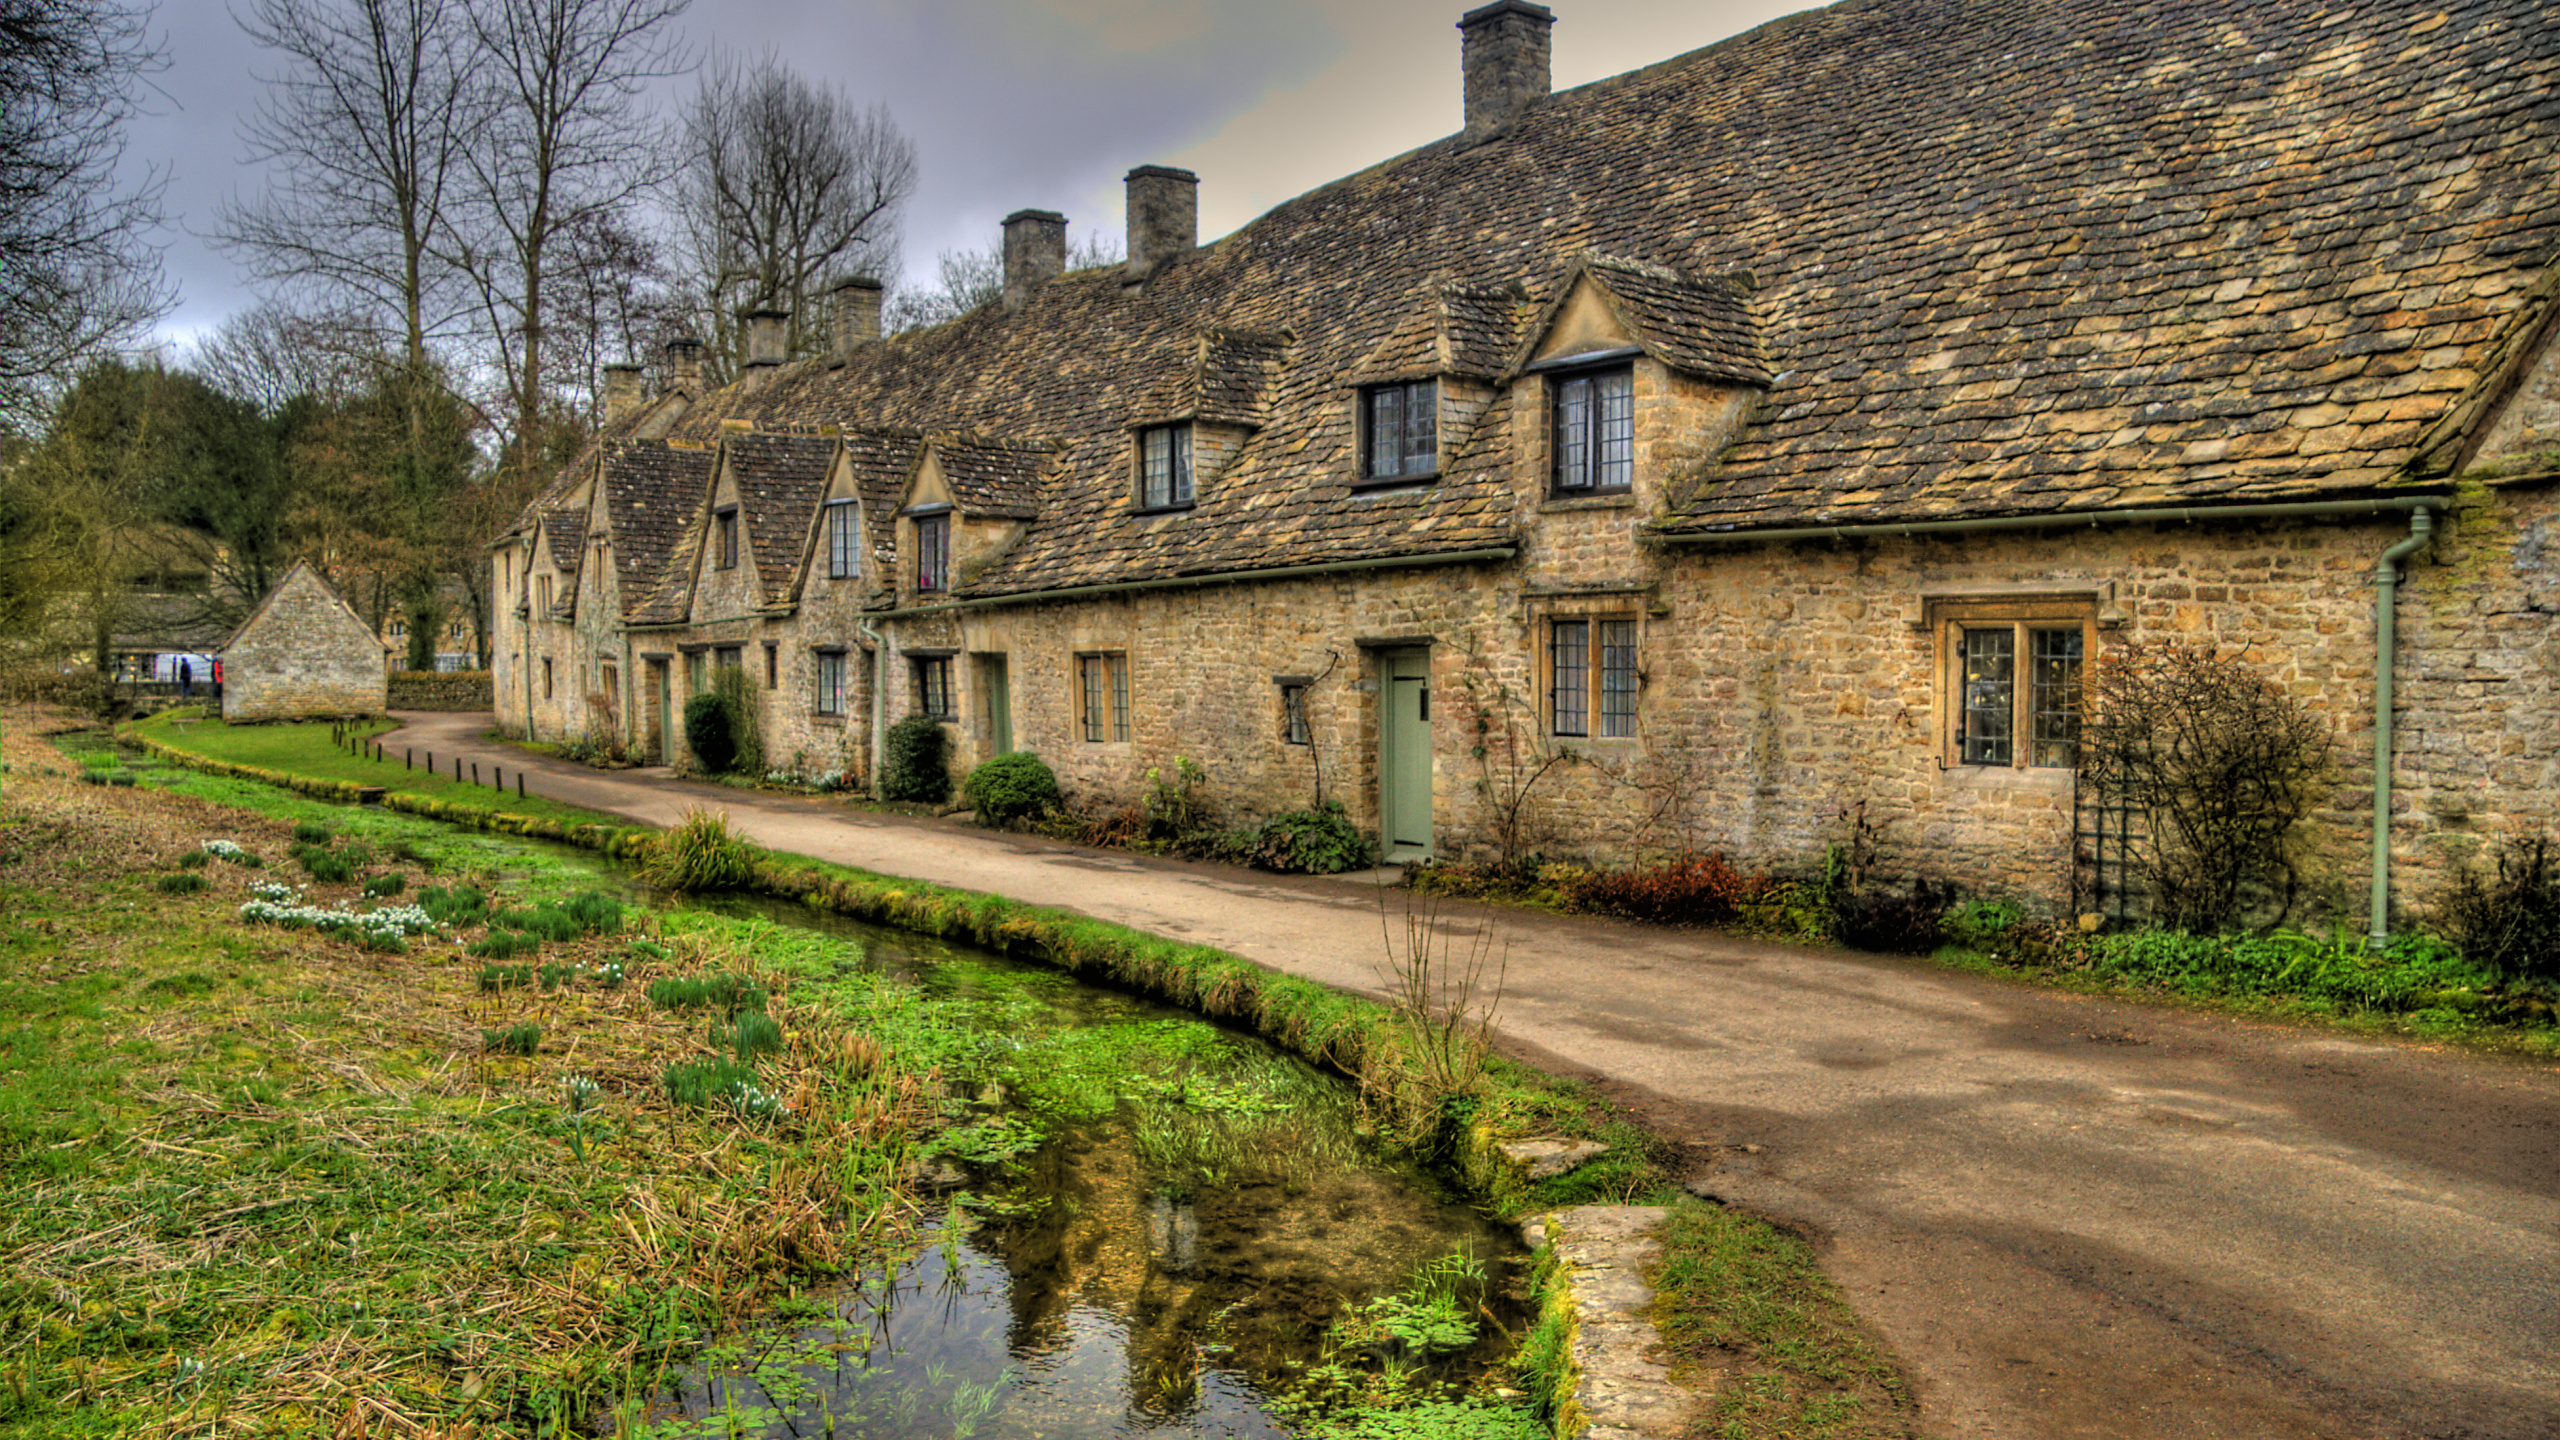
(2071, 1217)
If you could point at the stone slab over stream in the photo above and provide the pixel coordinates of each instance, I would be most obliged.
(1620, 1391)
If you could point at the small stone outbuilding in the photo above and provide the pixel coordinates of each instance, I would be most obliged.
(303, 654)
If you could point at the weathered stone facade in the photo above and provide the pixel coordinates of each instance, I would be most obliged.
(303, 654)
(1624, 474)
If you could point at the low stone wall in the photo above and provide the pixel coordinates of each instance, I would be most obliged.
(1614, 1387)
(442, 690)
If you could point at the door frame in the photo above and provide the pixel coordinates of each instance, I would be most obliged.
(1404, 755)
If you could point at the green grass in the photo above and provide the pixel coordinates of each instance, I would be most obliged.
(306, 750)
(1738, 1296)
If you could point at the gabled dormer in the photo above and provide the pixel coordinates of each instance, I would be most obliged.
(1186, 429)
(967, 502)
(1416, 396)
(1632, 379)
(775, 483)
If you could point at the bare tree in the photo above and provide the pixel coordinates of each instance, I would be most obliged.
(270, 354)
(364, 131)
(77, 278)
(565, 146)
(786, 185)
(973, 279)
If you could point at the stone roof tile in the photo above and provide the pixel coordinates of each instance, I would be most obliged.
(1997, 231)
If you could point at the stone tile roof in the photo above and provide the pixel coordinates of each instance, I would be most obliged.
(654, 493)
(2010, 256)
(881, 462)
(565, 531)
(993, 479)
(1704, 327)
(780, 480)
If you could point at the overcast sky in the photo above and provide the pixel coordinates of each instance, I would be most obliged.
(1011, 103)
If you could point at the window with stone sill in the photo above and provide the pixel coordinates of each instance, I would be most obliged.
(844, 540)
(1592, 436)
(1293, 712)
(1591, 677)
(2012, 681)
(1102, 696)
(1400, 431)
(933, 554)
(1164, 467)
(830, 699)
(933, 685)
(725, 525)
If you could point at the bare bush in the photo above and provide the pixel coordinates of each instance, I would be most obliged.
(2221, 766)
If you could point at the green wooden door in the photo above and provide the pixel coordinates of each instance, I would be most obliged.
(995, 705)
(1404, 753)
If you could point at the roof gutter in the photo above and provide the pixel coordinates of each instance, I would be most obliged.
(1178, 582)
(2178, 515)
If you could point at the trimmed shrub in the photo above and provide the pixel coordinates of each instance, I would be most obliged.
(1012, 788)
(737, 696)
(912, 767)
(707, 733)
(1311, 842)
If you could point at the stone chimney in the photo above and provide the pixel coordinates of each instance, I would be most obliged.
(1164, 216)
(1503, 50)
(622, 391)
(684, 365)
(857, 315)
(768, 331)
(1035, 253)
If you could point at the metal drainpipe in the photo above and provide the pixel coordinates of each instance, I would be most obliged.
(524, 657)
(879, 697)
(2386, 592)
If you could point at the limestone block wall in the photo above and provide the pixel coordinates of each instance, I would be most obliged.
(441, 689)
(302, 657)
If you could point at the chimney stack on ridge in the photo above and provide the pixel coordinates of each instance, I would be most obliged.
(1164, 217)
(1035, 253)
(857, 317)
(1504, 52)
(768, 331)
(622, 391)
(684, 365)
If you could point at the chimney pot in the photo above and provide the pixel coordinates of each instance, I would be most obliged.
(1504, 51)
(1164, 216)
(622, 391)
(857, 314)
(767, 330)
(684, 365)
(1035, 253)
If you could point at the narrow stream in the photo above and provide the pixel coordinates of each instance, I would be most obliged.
(1154, 1225)
(1148, 1224)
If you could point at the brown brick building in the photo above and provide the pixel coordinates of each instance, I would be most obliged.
(1787, 425)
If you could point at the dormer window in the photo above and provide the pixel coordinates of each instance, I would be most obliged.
(844, 541)
(933, 553)
(1164, 467)
(726, 528)
(1595, 430)
(1400, 431)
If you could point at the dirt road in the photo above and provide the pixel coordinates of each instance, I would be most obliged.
(2071, 1217)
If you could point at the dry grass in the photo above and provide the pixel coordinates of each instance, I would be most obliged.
(261, 1181)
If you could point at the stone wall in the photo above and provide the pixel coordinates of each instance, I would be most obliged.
(1780, 685)
(302, 655)
(441, 690)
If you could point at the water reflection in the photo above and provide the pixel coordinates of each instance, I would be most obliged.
(1153, 1220)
